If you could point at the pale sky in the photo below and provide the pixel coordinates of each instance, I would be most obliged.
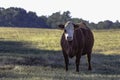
(90, 10)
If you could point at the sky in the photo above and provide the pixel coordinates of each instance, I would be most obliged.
(90, 10)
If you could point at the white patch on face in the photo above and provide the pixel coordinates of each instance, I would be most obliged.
(69, 31)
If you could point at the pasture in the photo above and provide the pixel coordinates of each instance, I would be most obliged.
(35, 54)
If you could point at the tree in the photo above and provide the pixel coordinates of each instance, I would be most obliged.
(57, 18)
(66, 16)
(93, 25)
(54, 19)
(100, 25)
(76, 20)
(18, 17)
(116, 24)
(107, 24)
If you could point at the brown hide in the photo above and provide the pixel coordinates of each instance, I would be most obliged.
(72, 48)
(82, 44)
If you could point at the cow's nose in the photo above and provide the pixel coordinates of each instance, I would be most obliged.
(69, 38)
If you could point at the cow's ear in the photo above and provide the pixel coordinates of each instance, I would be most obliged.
(76, 26)
(61, 26)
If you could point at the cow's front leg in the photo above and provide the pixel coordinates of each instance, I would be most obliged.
(66, 60)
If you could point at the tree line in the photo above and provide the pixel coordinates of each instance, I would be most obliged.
(18, 17)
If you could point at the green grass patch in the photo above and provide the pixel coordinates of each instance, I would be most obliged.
(35, 54)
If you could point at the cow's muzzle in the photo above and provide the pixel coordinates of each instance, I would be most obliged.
(69, 38)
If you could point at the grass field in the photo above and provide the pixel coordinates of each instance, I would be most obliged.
(35, 54)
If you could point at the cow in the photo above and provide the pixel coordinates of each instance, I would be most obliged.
(77, 40)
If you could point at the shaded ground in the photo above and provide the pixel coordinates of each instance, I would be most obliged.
(16, 54)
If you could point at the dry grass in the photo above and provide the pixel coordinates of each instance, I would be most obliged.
(35, 54)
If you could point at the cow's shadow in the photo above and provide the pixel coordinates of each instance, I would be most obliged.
(19, 53)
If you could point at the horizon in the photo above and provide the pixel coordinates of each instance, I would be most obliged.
(92, 11)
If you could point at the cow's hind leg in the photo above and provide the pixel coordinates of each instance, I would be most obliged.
(89, 60)
(66, 60)
(77, 63)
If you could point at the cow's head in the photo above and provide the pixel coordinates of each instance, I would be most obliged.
(69, 29)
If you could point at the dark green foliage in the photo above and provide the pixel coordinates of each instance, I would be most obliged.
(18, 17)
(57, 18)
